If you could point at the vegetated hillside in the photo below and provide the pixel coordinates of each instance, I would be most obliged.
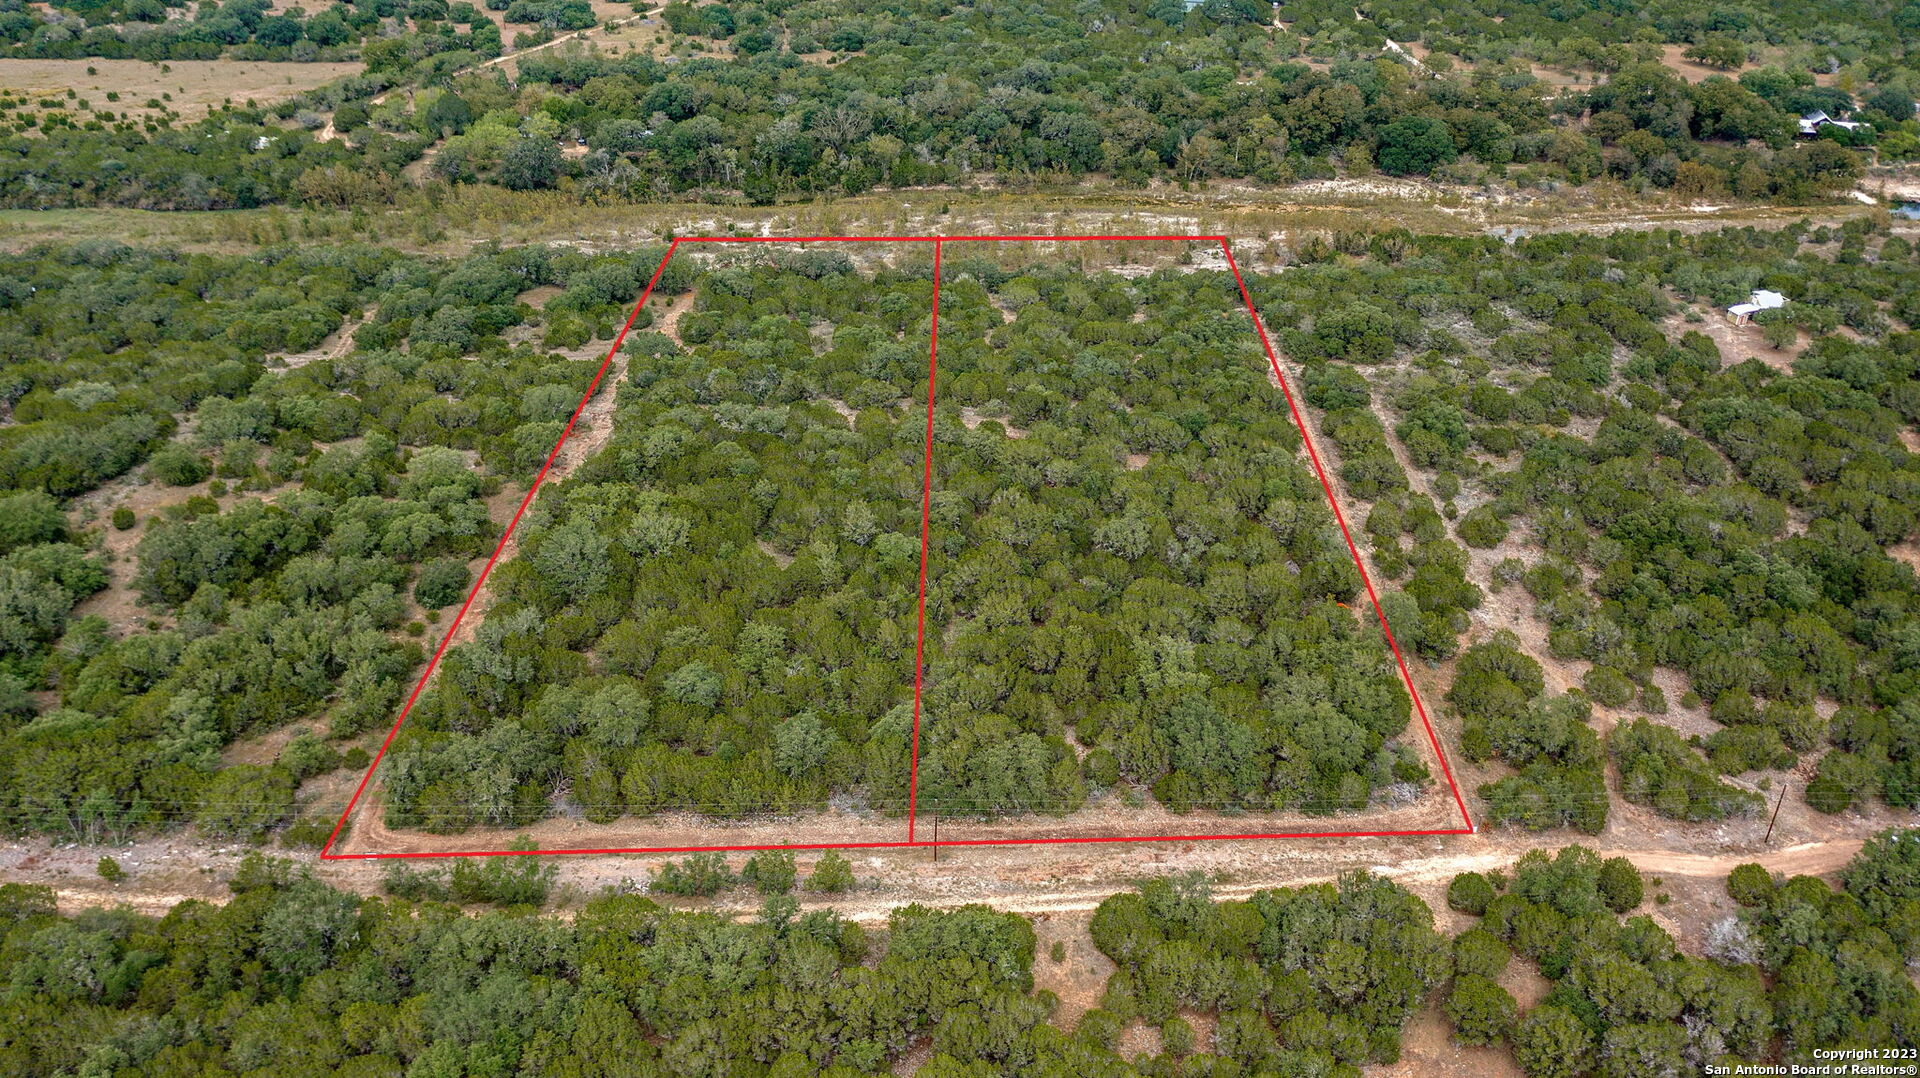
(291, 974)
(1741, 513)
(772, 101)
(718, 612)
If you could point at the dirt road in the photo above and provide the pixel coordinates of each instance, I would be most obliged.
(1021, 880)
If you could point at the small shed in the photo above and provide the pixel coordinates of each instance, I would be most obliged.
(1761, 300)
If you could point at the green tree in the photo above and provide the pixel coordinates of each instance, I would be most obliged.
(1480, 1010)
(1414, 145)
(530, 164)
(1470, 892)
(1620, 884)
(1551, 1043)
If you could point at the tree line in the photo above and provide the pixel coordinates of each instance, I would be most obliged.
(291, 973)
(933, 93)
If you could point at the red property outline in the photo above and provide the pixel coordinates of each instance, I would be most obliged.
(926, 503)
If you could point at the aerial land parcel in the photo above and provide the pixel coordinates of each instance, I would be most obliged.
(1133, 589)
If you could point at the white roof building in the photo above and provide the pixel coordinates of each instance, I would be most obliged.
(1812, 122)
(1761, 300)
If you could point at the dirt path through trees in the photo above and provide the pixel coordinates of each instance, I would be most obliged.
(589, 436)
(337, 344)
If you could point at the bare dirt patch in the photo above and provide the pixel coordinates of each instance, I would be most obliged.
(1906, 552)
(1523, 979)
(669, 323)
(265, 749)
(1428, 1051)
(595, 422)
(539, 296)
(1673, 58)
(1101, 818)
(196, 85)
(1556, 78)
(1079, 979)
(973, 417)
(1738, 344)
(337, 344)
(613, 22)
(501, 506)
(1138, 1040)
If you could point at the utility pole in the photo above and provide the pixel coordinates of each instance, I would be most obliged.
(1781, 800)
(936, 838)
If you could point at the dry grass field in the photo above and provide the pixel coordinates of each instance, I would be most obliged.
(196, 85)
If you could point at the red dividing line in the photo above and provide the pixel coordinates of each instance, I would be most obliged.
(1333, 502)
(926, 521)
(326, 851)
(926, 510)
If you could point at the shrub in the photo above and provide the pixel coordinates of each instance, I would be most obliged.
(1750, 885)
(1607, 687)
(1480, 1010)
(700, 875)
(28, 518)
(1480, 952)
(1659, 769)
(1482, 528)
(246, 801)
(832, 875)
(123, 518)
(771, 872)
(403, 880)
(178, 466)
(503, 881)
(110, 870)
(1469, 893)
(1843, 779)
(306, 756)
(1176, 1035)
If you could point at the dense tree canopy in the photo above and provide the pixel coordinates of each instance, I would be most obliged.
(718, 612)
(771, 100)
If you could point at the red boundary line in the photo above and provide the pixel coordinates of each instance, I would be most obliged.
(326, 851)
(1320, 469)
(926, 528)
